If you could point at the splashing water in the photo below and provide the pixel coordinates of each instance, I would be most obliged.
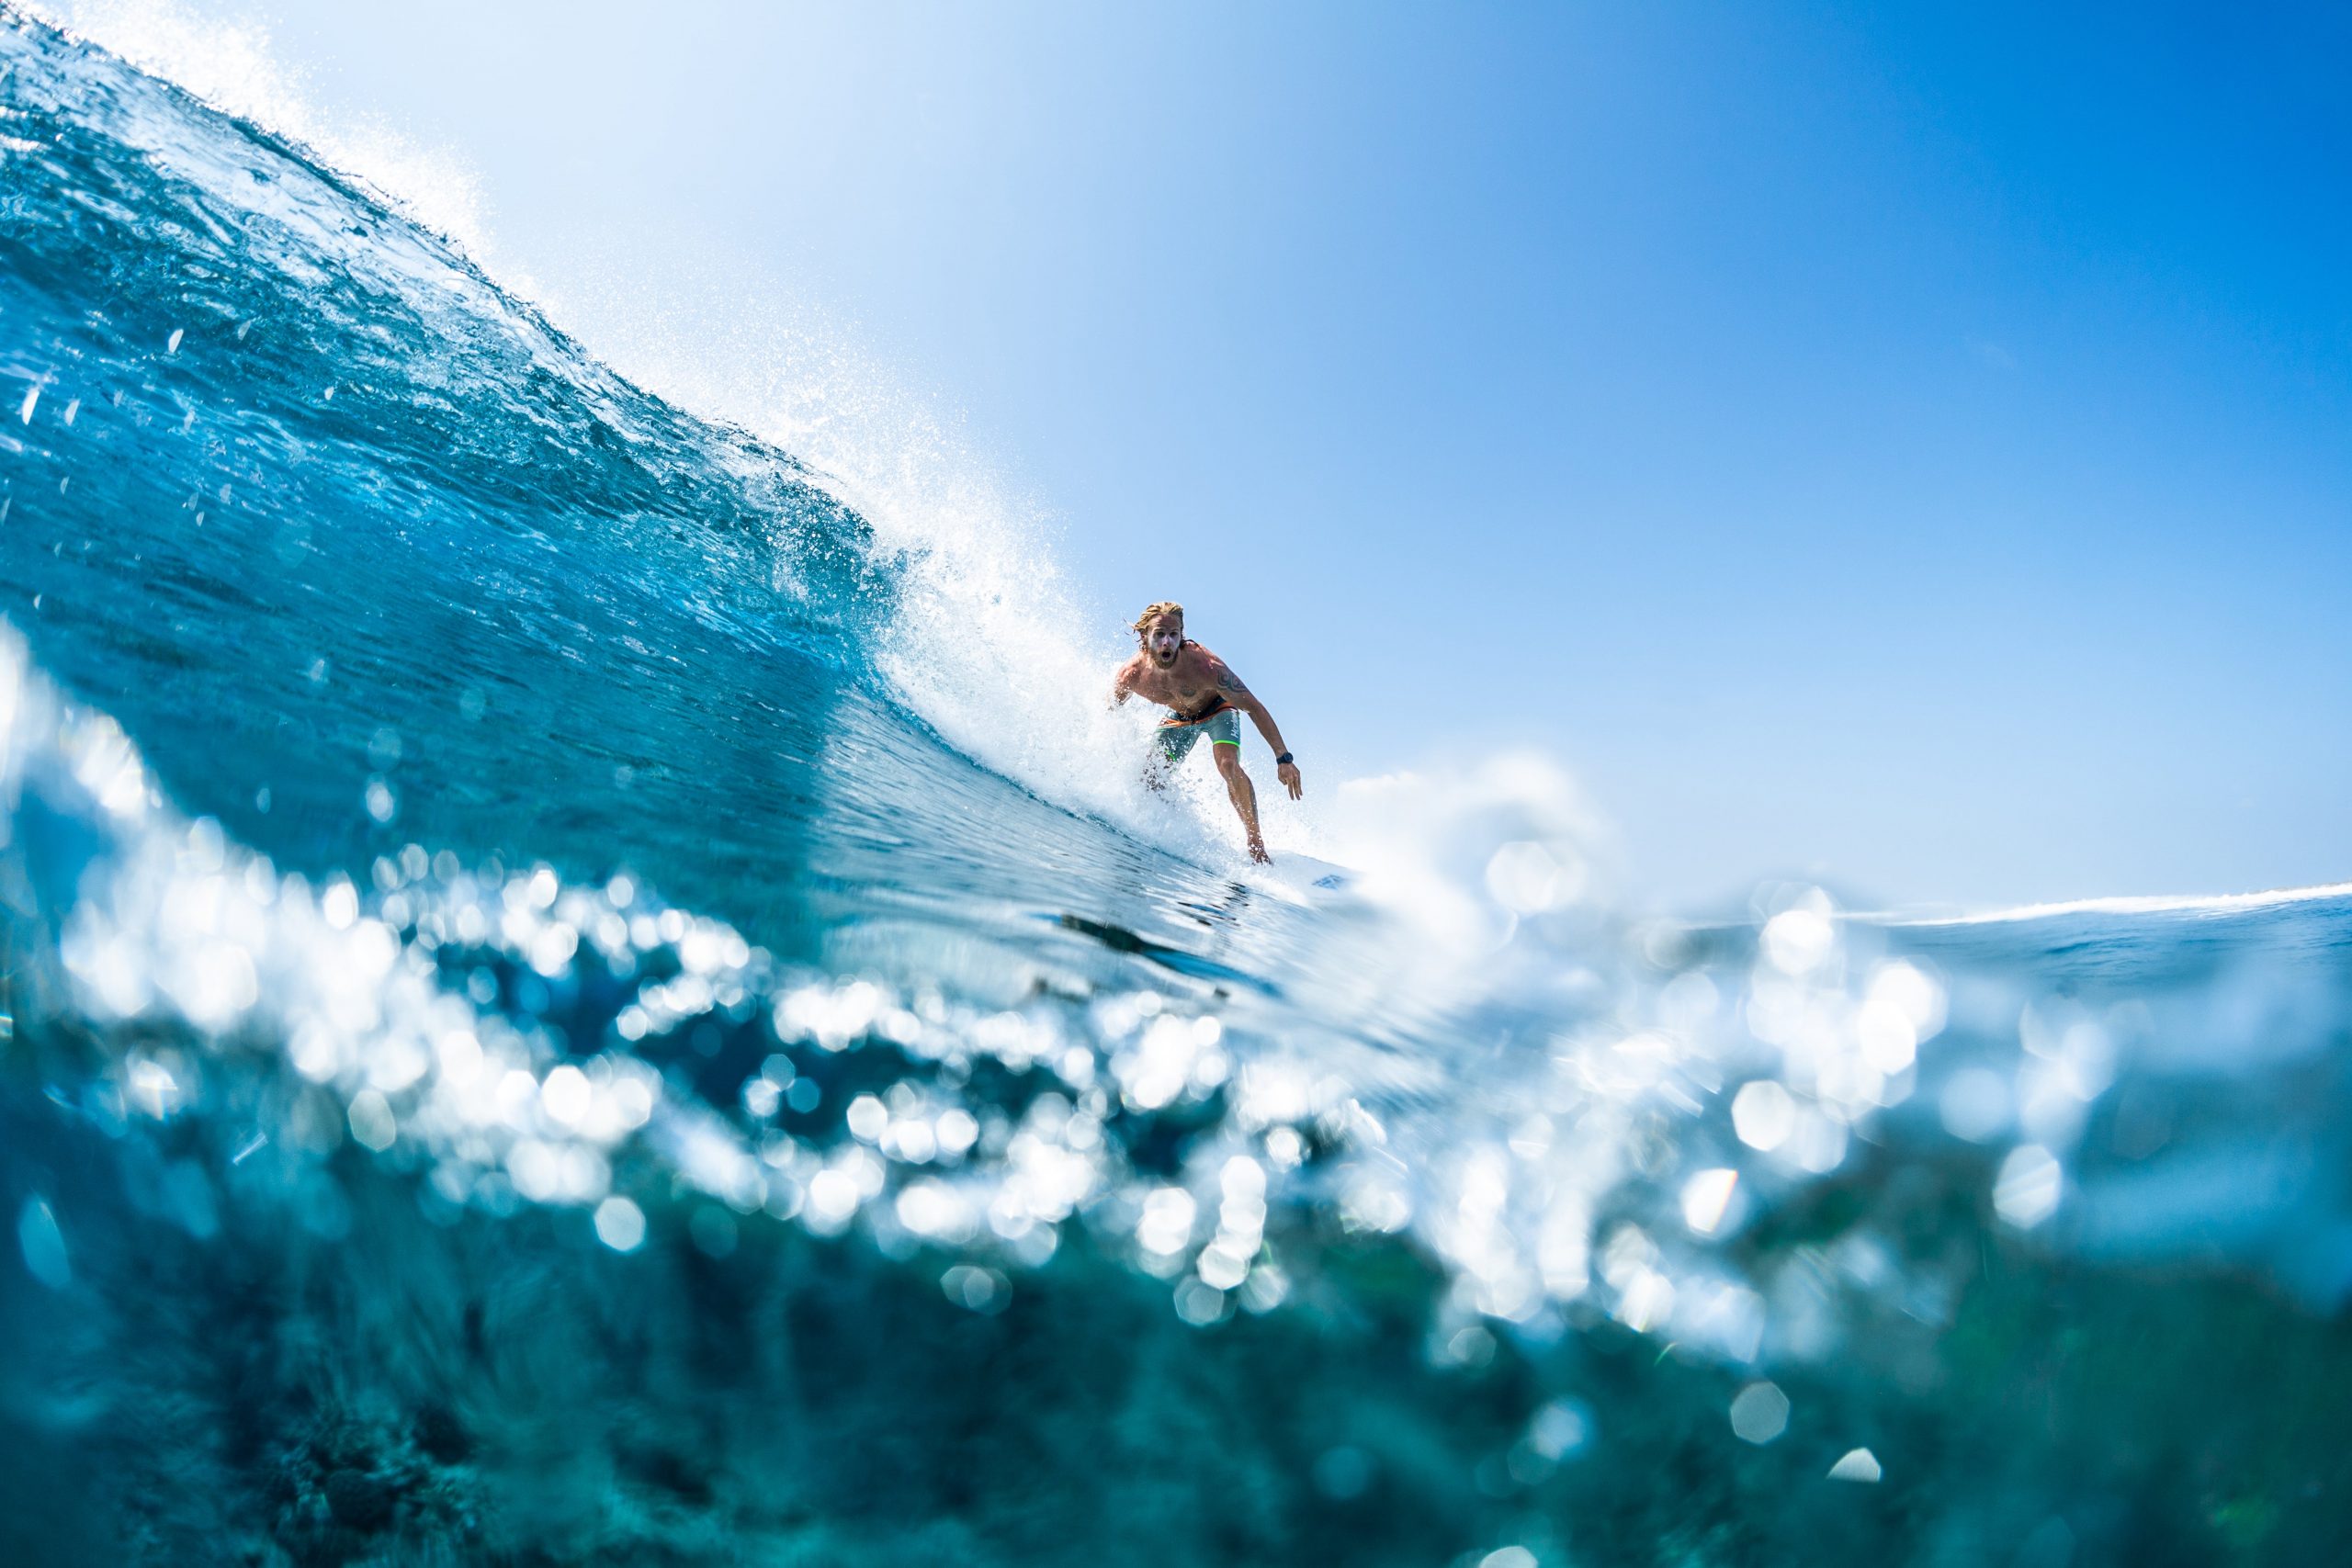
(582, 984)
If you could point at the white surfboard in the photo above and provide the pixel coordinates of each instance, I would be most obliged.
(1313, 879)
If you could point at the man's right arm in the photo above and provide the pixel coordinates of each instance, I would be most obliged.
(1122, 684)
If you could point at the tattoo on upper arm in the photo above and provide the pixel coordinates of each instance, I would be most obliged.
(1231, 682)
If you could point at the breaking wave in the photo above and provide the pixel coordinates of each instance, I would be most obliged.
(578, 985)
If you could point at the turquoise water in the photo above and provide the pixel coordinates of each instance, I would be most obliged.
(544, 1024)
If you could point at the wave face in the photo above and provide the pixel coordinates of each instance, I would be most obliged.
(526, 1043)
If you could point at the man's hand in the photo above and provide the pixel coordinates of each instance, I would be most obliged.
(1288, 773)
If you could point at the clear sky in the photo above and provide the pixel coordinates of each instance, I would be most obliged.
(1909, 444)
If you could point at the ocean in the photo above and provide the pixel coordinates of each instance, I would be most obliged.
(571, 992)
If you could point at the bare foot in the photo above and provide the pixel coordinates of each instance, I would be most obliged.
(1258, 852)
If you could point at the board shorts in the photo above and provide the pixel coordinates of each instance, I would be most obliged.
(1178, 736)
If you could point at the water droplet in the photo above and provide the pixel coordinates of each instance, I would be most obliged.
(1859, 1464)
(2030, 1185)
(43, 1245)
(620, 1224)
(371, 1121)
(1760, 1413)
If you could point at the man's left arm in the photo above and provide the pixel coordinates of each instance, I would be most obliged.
(1242, 697)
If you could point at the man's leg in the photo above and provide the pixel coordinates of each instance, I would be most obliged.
(1245, 798)
(1175, 744)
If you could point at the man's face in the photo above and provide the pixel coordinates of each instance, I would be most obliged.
(1162, 637)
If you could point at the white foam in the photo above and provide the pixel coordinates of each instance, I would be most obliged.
(2161, 904)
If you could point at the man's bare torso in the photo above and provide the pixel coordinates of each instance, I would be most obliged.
(1197, 681)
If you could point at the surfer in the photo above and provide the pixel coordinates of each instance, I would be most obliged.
(1208, 699)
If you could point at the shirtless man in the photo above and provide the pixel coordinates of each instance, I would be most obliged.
(1208, 699)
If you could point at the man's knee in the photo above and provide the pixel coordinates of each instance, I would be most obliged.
(1228, 763)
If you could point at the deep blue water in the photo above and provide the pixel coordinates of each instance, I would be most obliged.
(524, 1042)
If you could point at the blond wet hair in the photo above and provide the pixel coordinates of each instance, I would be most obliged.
(1153, 611)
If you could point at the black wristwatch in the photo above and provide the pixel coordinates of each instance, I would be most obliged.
(1283, 760)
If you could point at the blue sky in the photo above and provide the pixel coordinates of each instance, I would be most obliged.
(1906, 444)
